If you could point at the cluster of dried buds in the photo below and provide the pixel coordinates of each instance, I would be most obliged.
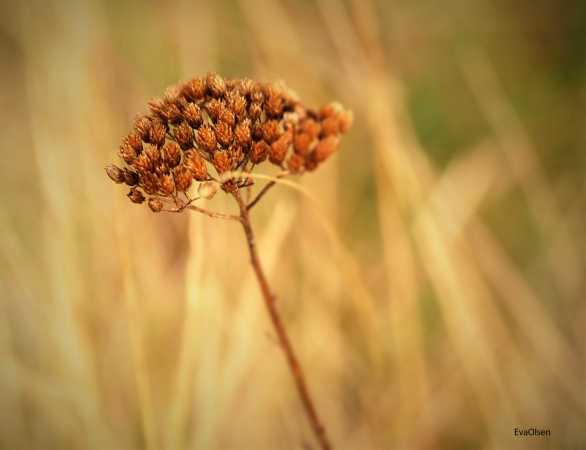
(209, 126)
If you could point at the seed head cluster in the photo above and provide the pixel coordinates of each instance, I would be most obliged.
(208, 126)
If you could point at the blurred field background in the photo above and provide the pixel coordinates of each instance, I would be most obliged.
(434, 286)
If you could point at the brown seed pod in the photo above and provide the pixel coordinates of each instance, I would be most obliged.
(194, 89)
(255, 110)
(216, 85)
(237, 104)
(279, 149)
(242, 133)
(222, 161)
(153, 154)
(142, 127)
(167, 185)
(302, 143)
(192, 114)
(214, 107)
(196, 165)
(134, 141)
(295, 163)
(127, 153)
(143, 164)
(171, 154)
(345, 119)
(245, 86)
(115, 173)
(259, 152)
(184, 135)
(206, 139)
(329, 110)
(227, 117)
(274, 104)
(236, 156)
(149, 182)
(157, 133)
(311, 127)
(223, 133)
(325, 148)
(130, 177)
(330, 126)
(270, 131)
(155, 204)
(135, 196)
(183, 178)
(174, 114)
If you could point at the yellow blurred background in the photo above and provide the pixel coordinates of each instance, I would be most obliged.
(433, 285)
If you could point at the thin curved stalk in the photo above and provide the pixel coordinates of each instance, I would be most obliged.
(269, 299)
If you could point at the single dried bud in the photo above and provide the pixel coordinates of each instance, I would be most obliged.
(167, 185)
(330, 126)
(206, 139)
(245, 86)
(142, 127)
(331, 109)
(194, 89)
(171, 154)
(227, 117)
(155, 204)
(256, 93)
(135, 196)
(115, 173)
(270, 131)
(222, 161)
(158, 108)
(345, 119)
(237, 104)
(193, 115)
(255, 111)
(295, 163)
(184, 135)
(216, 85)
(157, 133)
(143, 164)
(325, 148)
(130, 177)
(183, 178)
(310, 127)
(174, 113)
(279, 149)
(310, 164)
(207, 190)
(257, 130)
(133, 139)
(223, 133)
(196, 165)
(149, 183)
(259, 152)
(153, 153)
(242, 133)
(236, 155)
(127, 153)
(274, 105)
(302, 143)
(214, 108)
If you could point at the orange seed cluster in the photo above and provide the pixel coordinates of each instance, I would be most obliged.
(208, 126)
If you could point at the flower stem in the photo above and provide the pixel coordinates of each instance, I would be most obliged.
(269, 299)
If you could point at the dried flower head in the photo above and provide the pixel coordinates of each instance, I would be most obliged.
(208, 126)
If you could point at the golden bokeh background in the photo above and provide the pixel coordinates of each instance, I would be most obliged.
(432, 279)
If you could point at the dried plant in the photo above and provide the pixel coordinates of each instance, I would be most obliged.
(209, 134)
